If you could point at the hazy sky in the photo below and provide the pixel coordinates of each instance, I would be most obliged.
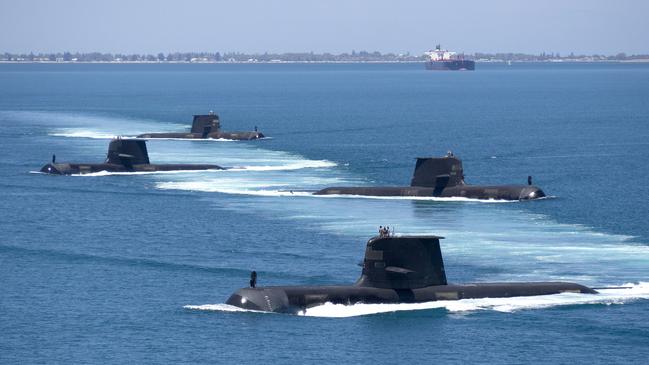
(151, 26)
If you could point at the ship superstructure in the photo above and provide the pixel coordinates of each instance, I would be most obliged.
(441, 60)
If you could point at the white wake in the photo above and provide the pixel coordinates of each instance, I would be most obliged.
(635, 292)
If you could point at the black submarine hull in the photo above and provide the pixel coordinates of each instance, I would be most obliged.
(207, 126)
(443, 177)
(396, 269)
(78, 168)
(124, 155)
(500, 192)
(239, 136)
(295, 300)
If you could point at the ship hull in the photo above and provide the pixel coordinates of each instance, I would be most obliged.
(80, 169)
(238, 136)
(501, 192)
(294, 300)
(451, 65)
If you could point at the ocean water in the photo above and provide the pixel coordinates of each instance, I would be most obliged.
(136, 267)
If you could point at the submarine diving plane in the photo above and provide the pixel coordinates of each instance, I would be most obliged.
(442, 177)
(207, 127)
(396, 269)
(124, 155)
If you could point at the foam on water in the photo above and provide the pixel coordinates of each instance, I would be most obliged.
(214, 187)
(86, 125)
(81, 133)
(273, 182)
(220, 308)
(297, 165)
(239, 191)
(110, 133)
(637, 291)
(79, 125)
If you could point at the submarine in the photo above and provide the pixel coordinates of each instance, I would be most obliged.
(442, 177)
(396, 269)
(124, 155)
(207, 126)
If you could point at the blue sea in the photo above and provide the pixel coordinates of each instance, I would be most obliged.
(116, 268)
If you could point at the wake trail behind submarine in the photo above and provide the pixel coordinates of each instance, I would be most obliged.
(635, 292)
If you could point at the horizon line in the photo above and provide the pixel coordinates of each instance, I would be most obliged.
(351, 52)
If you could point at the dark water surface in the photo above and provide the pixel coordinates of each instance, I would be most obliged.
(116, 268)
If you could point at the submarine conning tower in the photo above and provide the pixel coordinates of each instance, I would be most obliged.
(403, 262)
(127, 152)
(206, 124)
(438, 172)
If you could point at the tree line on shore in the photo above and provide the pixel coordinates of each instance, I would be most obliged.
(361, 56)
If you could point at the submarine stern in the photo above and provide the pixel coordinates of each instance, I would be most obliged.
(513, 289)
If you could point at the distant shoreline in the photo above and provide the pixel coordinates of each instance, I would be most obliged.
(303, 62)
(305, 57)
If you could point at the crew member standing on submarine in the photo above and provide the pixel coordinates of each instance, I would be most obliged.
(253, 279)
